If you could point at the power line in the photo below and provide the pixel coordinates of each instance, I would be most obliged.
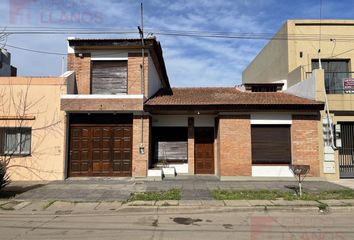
(36, 51)
(49, 30)
(199, 34)
(244, 36)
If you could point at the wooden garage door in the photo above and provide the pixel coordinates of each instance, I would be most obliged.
(204, 150)
(271, 144)
(100, 150)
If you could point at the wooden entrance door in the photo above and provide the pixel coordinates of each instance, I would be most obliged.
(122, 150)
(204, 150)
(97, 150)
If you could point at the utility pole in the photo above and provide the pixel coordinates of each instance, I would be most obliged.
(141, 32)
(142, 75)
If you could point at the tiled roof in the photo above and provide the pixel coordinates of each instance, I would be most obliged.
(229, 97)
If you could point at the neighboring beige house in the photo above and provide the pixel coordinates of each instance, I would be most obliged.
(32, 126)
(291, 57)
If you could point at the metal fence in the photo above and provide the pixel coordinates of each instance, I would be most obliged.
(346, 152)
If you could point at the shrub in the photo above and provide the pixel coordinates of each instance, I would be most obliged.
(4, 178)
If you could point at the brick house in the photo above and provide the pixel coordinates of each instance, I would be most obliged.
(124, 122)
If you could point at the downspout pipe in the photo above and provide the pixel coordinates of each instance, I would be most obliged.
(329, 121)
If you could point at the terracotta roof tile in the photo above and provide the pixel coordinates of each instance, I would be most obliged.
(228, 97)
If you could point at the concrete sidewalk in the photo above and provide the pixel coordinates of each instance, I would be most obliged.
(192, 188)
(349, 183)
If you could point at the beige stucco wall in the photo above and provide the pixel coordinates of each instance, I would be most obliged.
(330, 29)
(280, 59)
(42, 96)
(341, 102)
(271, 64)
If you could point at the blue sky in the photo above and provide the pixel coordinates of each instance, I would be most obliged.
(190, 61)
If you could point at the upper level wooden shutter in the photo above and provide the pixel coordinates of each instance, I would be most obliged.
(109, 77)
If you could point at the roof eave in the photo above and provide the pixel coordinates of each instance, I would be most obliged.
(233, 107)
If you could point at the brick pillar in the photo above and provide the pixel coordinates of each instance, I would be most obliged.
(140, 161)
(70, 62)
(82, 67)
(217, 147)
(134, 73)
(235, 154)
(191, 145)
(305, 143)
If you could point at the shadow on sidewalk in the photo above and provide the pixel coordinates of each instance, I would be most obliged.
(13, 189)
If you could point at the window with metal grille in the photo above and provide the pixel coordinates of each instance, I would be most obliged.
(15, 141)
(335, 70)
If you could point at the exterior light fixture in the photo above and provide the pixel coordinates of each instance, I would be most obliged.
(141, 150)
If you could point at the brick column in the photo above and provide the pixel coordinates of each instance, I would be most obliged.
(191, 145)
(140, 161)
(305, 143)
(82, 67)
(134, 73)
(235, 154)
(217, 147)
(70, 62)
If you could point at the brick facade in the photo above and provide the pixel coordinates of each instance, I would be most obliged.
(234, 145)
(70, 61)
(134, 73)
(305, 144)
(82, 67)
(139, 161)
(72, 104)
(190, 153)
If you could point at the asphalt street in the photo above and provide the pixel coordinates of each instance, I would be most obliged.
(177, 223)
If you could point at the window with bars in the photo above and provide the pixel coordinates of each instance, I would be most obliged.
(15, 141)
(335, 70)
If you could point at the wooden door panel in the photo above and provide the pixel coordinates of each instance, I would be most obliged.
(204, 151)
(79, 151)
(122, 154)
(100, 151)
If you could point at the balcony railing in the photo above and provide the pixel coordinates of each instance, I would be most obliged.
(338, 82)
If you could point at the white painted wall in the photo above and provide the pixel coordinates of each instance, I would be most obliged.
(305, 89)
(180, 168)
(285, 82)
(109, 55)
(271, 171)
(182, 120)
(169, 121)
(154, 81)
(204, 121)
(271, 118)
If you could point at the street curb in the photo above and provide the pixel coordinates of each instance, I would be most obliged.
(341, 209)
(234, 205)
